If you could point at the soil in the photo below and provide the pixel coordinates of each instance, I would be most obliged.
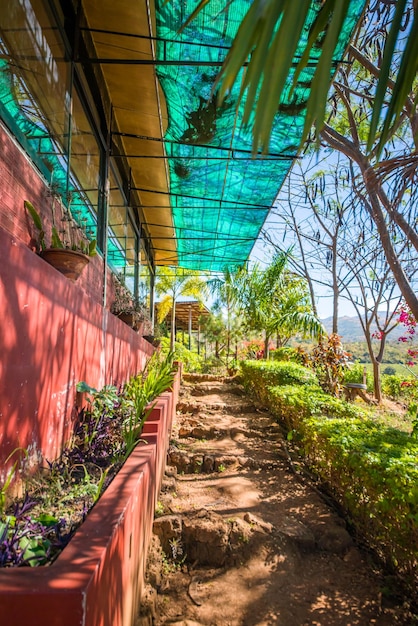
(242, 539)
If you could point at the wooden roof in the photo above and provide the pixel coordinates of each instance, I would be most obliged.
(183, 310)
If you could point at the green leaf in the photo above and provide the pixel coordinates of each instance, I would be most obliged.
(405, 77)
(323, 74)
(92, 250)
(47, 520)
(385, 70)
(283, 47)
(83, 387)
(34, 215)
(55, 239)
(34, 550)
(197, 10)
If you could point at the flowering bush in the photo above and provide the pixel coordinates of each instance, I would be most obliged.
(406, 318)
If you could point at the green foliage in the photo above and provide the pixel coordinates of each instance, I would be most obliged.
(275, 301)
(354, 374)
(400, 387)
(5, 486)
(86, 247)
(141, 390)
(293, 404)
(329, 361)
(286, 353)
(373, 472)
(370, 468)
(192, 362)
(259, 376)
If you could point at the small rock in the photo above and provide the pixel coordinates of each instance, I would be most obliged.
(179, 459)
(170, 470)
(335, 539)
(168, 484)
(206, 538)
(256, 521)
(208, 464)
(298, 533)
(168, 529)
(196, 463)
(240, 532)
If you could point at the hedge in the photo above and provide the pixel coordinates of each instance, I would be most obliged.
(370, 469)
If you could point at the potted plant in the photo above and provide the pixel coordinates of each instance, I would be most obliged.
(68, 254)
(126, 307)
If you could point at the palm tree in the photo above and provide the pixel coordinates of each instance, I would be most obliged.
(275, 301)
(175, 282)
(226, 288)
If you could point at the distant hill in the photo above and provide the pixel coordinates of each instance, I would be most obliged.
(349, 328)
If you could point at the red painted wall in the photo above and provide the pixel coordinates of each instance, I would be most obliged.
(53, 332)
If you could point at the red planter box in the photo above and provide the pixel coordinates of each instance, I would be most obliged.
(97, 579)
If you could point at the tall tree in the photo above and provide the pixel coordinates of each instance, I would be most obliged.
(226, 288)
(172, 283)
(384, 181)
(275, 301)
(312, 213)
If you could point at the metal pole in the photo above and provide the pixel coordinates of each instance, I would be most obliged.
(190, 327)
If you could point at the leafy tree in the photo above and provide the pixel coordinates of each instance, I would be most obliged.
(173, 283)
(339, 248)
(275, 301)
(226, 289)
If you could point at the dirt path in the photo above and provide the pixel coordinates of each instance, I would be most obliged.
(246, 541)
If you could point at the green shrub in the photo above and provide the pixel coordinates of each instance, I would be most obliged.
(285, 354)
(369, 468)
(373, 472)
(293, 404)
(260, 375)
(354, 374)
(400, 387)
(192, 362)
(391, 386)
(279, 372)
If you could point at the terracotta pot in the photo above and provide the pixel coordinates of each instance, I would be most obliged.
(131, 319)
(69, 262)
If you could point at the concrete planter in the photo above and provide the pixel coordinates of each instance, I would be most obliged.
(97, 579)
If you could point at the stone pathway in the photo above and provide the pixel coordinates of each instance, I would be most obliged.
(241, 540)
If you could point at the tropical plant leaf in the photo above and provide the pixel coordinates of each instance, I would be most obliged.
(56, 239)
(36, 218)
(92, 249)
(270, 31)
(405, 77)
(34, 215)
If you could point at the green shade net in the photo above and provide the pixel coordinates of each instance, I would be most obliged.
(220, 194)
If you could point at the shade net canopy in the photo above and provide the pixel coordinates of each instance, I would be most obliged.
(220, 193)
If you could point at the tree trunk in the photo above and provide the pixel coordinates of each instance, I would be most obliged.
(335, 288)
(173, 326)
(377, 380)
(372, 204)
(266, 346)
